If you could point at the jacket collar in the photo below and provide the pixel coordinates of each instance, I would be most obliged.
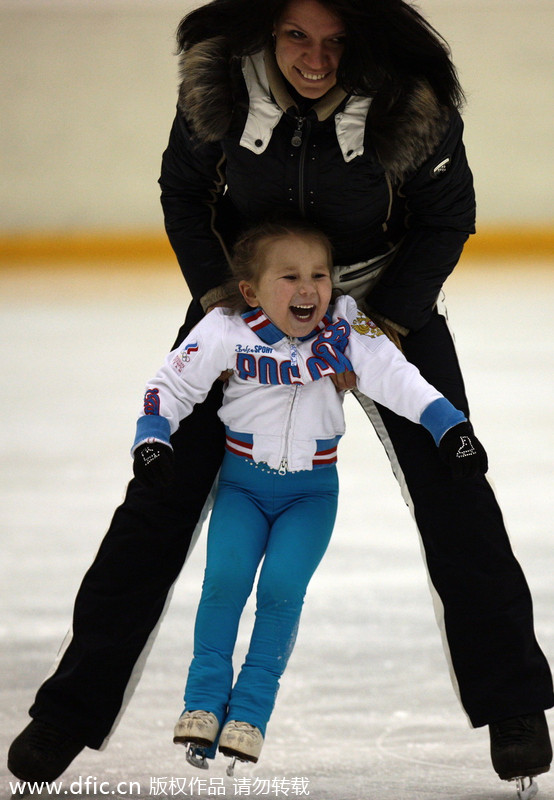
(268, 332)
(263, 112)
(405, 130)
(269, 100)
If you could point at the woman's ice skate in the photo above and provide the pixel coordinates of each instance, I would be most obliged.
(526, 788)
(521, 750)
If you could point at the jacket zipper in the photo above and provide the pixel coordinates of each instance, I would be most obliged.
(284, 458)
(296, 140)
(300, 139)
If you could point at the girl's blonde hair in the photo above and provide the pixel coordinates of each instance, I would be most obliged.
(248, 253)
(247, 263)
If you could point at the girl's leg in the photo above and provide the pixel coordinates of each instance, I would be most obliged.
(237, 538)
(297, 543)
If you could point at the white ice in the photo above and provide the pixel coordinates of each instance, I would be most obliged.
(366, 709)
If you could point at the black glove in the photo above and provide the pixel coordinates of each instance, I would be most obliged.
(153, 464)
(463, 452)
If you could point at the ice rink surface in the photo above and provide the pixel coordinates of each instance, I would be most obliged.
(366, 710)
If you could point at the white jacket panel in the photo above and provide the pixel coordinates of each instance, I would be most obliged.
(279, 394)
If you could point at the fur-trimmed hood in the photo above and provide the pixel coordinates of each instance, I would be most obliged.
(404, 132)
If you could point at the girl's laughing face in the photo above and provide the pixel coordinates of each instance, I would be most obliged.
(294, 287)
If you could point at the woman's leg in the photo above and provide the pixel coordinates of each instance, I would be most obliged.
(124, 593)
(482, 600)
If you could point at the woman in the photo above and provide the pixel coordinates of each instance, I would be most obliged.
(347, 112)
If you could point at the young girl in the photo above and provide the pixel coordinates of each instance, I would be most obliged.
(277, 491)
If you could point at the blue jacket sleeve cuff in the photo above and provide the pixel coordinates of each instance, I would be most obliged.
(151, 426)
(439, 417)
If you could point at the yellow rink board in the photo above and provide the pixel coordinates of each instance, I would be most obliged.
(131, 247)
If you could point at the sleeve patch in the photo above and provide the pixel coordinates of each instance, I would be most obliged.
(365, 327)
(440, 168)
(152, 402)
(185, 355)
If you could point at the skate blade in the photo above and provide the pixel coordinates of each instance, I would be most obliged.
(526, 788)
(196, 756)
(230, 771)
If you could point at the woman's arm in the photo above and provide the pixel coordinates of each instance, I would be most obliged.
(440, 202)
(192, 183)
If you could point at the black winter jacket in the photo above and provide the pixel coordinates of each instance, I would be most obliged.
(399, 176)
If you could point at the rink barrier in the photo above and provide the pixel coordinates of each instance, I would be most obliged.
(133, 247)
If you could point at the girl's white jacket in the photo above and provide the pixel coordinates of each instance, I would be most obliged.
(279, 405)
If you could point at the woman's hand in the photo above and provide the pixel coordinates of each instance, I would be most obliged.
(344, 380)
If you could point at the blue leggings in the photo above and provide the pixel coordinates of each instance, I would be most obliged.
(289, 520)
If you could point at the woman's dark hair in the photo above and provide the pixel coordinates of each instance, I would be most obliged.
(388, 43)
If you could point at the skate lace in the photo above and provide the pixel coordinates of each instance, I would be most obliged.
(514, 731)
(244, 727)
(203, 718)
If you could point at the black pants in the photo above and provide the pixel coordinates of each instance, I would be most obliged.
(485, 605)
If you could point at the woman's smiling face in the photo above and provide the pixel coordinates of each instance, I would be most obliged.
(309, 43)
